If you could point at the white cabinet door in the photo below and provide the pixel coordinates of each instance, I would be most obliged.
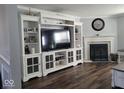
(70, 56)
(48, 61)
(79, 54)
(32, 67)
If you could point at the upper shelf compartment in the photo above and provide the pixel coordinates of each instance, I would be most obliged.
(56, 22)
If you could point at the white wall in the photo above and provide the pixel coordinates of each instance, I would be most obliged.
(110, 28)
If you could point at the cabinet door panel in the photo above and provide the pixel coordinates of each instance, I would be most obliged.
(51, 57)
(29, 61)
(30, 70)
(35, 60)
(36, 68)
(49, 61)
(78, 55)
(47, 58)
(51, 64)
(47, 65)
(70, 57)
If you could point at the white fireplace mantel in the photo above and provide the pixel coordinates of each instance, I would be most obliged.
(97, 40)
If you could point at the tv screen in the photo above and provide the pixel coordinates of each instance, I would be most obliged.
(62, 37)
(55, 39)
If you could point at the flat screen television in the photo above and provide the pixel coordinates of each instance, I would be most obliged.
(53, 39)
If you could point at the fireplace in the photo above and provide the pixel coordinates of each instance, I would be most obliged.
(99, 52)
(97, 44)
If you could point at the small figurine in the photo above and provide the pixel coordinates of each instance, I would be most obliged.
(27, 51)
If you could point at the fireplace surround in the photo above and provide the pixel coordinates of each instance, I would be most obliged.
(98, 40)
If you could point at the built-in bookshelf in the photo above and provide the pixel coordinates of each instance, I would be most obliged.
(78, 33)
(30, 47)
(31, 37)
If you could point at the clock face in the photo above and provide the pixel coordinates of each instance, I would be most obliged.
(98, 24)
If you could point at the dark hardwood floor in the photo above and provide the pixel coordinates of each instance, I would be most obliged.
(83, 76)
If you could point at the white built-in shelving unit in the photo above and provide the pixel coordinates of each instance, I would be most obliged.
(37, 63)
(78, 33)
(31, 49)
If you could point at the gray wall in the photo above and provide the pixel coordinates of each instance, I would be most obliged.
(120, 22)
(4, 35)
(110, 28)
(9, 40)
(4, 45)
(12, 13)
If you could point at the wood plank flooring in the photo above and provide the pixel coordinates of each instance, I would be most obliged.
(83, 76)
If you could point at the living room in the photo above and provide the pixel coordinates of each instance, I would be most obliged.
(62, 46)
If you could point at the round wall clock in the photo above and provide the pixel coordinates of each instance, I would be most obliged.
(98, 24)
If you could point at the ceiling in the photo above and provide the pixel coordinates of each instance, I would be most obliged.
(83, 10)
